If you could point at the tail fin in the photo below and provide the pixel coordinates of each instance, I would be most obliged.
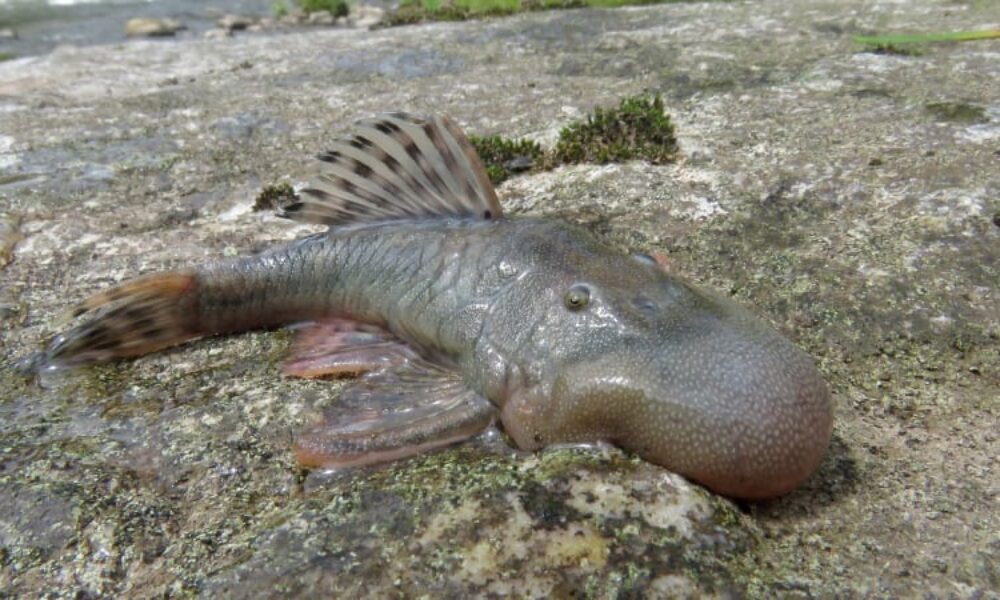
(135, 318)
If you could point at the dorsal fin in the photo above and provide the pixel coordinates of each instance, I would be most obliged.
(398, 166)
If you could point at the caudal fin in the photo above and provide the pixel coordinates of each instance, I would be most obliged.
(135, 318)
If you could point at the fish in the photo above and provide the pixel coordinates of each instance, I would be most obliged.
(447, 315)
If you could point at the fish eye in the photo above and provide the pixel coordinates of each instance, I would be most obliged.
(645, 259)
(577, 297)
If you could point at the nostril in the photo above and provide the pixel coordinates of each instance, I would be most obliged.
(644, 304)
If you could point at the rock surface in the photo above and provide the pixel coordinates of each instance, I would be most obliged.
(152, 27)
(820, 184)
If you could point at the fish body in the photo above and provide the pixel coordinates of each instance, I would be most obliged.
(456, 315)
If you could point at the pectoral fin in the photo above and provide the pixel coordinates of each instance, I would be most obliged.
(406, 411)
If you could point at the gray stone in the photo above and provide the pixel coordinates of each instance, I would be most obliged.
(217, 34)
(822, 185)
(152, 27)
(363, 15)
(233, 22)
(293, 17)
(320, 17)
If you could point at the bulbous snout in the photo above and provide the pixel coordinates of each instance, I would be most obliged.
(720, 398)
(738, 409)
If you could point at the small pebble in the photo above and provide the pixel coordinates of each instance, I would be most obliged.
(152, 27)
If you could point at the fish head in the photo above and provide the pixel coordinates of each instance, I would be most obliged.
(682, 377)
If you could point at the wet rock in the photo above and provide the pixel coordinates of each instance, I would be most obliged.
(35, 523)
(557, 520)
(7, 33)
(363, 15)
(231, 22)
(152, 27)
(263, 24)
(321, 17)
(245, 125)
(294, 17)
(519, 164)
(215, 34)
(9, 312)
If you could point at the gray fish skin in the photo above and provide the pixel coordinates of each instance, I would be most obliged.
(466, 314)
(682, 377)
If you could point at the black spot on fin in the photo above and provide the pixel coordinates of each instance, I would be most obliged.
(135, 318)
(398, 166)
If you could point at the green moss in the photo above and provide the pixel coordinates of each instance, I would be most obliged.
(957, 112)
(7, 56)
(415, 11)
(274, 196)
(337, 8)
(504, 157)
(637, 129)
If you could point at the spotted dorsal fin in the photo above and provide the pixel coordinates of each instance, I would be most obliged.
(398, 166)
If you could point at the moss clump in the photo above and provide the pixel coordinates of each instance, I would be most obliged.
(337, 8)
(274, 196)
(637, 129)
(504, 157)
(7, 56)
(416, 11)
